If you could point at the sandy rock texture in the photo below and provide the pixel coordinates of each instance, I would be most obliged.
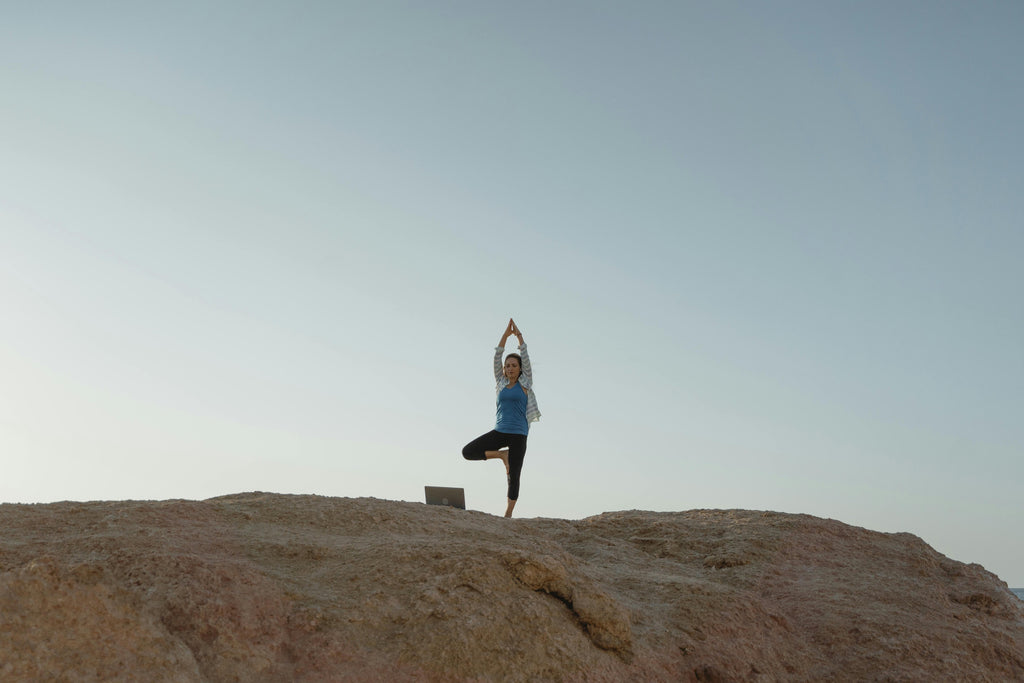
(265, 587)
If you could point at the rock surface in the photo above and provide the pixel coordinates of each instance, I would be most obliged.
(264, 587)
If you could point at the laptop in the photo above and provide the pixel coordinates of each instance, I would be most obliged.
(442, 495)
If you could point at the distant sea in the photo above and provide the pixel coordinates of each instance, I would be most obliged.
(1019, 592)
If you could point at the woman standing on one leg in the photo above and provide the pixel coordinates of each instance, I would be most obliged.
(516, 409)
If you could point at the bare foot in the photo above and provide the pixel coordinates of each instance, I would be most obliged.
(499, 455)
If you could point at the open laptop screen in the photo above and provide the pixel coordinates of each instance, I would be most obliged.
(442, 495)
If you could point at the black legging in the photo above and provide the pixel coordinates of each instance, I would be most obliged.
(493, 441)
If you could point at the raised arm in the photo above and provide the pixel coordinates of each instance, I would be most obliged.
(509, 331)
(499, 371)
(498, 366)
(527, 369)
(514, 329)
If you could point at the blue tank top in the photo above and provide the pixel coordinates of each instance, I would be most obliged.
(511, 413)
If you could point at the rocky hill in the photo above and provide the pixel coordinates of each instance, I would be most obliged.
(263, 587)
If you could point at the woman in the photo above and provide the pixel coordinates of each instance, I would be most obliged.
(516, 409)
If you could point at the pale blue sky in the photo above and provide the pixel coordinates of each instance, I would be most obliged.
(766, 254)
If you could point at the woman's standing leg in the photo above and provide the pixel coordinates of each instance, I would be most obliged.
(516, 455)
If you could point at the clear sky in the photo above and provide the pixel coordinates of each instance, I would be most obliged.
(766, 255)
